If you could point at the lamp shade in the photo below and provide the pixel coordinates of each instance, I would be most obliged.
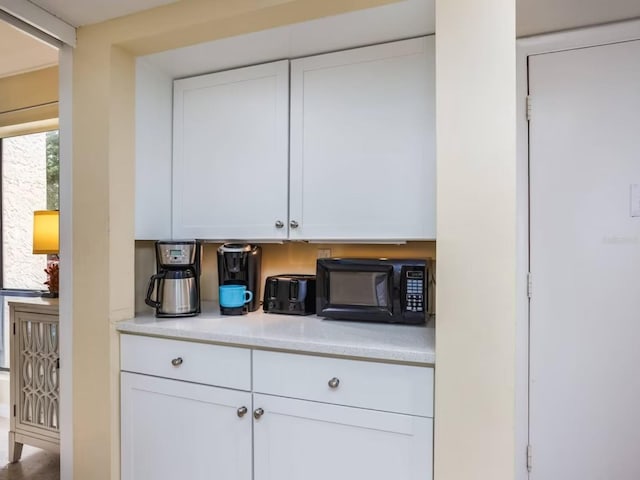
(45, 231)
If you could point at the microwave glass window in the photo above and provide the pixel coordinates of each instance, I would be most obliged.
(367, 289)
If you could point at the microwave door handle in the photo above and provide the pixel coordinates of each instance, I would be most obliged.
(400, 295)
(322, 288)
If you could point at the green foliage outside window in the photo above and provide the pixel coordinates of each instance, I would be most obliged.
(53, 170)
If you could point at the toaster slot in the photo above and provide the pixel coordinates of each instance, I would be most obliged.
(294, 288)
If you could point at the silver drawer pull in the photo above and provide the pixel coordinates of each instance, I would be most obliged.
(176, 362)
(257, 413)
(242, 411)
(334, 382)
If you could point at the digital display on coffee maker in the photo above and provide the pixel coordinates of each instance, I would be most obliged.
(175, 253)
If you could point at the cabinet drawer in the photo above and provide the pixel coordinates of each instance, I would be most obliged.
(379, 386)
(194, 362)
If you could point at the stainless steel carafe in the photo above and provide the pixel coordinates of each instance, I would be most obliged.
(176, 293)
(177, 283)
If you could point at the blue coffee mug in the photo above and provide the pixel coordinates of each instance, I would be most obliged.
(232, 296)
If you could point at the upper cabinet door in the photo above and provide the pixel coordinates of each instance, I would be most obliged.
(154, 110)
(230, 154)
(363, 143)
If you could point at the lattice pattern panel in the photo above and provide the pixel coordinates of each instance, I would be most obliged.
(39, 388)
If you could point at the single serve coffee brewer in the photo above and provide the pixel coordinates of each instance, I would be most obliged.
(239, 264)
(177, 283)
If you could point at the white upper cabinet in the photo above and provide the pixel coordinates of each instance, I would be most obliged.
(230, 154)
(363, 143)
(153, 153)
(352, 158)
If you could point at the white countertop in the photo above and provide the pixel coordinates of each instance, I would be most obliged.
(305, 334)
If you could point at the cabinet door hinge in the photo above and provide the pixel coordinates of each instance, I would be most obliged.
(529, 284)
(529, 108)
(529, 458)
(14, 409)
(14, 328)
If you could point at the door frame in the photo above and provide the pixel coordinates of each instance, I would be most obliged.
(45, 27)
(37, 22)
(527, 46)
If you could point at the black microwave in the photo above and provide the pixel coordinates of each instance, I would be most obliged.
(375, 290)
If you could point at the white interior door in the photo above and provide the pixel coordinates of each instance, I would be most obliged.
(585, 262)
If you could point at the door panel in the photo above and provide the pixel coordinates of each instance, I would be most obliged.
(298, 439)
(179, 430)
(230, 157)
(585, 264)
(362, 143)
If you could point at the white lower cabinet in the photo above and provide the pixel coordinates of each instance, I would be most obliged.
(173, 429)
(342, 420)
(299, 439)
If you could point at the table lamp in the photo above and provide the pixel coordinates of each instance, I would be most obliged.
(46, 241)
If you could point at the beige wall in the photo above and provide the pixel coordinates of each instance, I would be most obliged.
(476, 276)
(36, 91)
(476, 216)
(103, 166)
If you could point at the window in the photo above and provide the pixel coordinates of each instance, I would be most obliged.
(30, 181)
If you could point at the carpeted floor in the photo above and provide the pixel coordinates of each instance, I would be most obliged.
(35, 464)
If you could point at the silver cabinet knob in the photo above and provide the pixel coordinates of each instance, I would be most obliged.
(176, 362)
(279, 224)
(242, 411)
(293, 224)
(257, 413)
(334, 382)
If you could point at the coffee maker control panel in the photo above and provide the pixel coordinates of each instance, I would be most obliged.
(175, 254)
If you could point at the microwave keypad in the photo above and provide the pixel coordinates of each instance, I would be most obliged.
(415, 290)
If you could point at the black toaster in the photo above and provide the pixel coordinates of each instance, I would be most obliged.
(290, 294)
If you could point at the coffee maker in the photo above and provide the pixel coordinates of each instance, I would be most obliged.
(177, 283)
(239, 264)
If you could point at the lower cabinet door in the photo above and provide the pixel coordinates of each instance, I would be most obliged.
(298, 439)
(178, 430)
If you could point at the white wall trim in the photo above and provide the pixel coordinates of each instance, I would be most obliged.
(522, 270)
(536, 45)
(66, 270)
(580, 38)
(39, 18)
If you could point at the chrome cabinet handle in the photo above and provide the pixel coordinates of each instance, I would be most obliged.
(334, 382)
(176, 362)
(257, 413)
(279, 224)
(293, 224)
(242, 411)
